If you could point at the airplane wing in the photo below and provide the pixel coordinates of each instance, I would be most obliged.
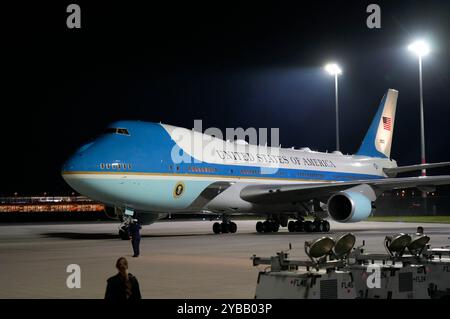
(281, 193)
(410, 168)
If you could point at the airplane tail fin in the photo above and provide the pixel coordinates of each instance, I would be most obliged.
(378, 139)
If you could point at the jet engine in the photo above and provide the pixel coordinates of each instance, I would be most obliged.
(351, 205)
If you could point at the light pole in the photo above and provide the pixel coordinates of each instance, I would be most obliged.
(334, 69)
(421, 48)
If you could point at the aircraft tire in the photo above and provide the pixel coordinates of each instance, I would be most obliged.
(308, 226)
(123, 234)
(275, 227)
(259, 227)
(233, 227)
(318, 226)
(299, 226)
(217, 228)
(291, 226)
(326, 226)
(225, 228)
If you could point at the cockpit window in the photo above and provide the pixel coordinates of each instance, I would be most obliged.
(122, 131)
(114, 130)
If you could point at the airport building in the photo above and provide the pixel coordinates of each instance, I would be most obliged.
(49, 204)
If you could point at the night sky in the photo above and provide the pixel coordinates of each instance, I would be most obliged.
(258, 65)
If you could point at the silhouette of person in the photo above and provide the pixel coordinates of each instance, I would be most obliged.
(419, 230)
(135, 234)
(123, 286)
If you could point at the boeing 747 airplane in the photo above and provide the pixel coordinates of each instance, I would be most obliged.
(148, 170)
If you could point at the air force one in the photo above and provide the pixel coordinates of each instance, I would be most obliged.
(135, 169)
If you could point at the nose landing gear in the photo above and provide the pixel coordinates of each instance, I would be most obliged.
(123, 233)
(123, 228)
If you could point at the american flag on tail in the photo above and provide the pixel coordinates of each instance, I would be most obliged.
(387, 123)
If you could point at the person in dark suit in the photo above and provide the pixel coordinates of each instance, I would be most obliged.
(135, 234)
(123, 286)
(419, 231)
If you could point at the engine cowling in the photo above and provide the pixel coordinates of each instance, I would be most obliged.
(351, 205)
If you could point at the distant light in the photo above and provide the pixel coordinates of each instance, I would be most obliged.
(333, 69)
(420, 47)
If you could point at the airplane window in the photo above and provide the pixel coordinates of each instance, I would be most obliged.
(129, 166)
(124, 166)
(108, 166)
(102, 166)
(113, 130)
(122, 131)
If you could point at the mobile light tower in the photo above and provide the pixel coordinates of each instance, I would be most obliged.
(334, 69)
(421, 48)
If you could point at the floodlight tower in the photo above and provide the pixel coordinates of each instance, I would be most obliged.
(334, 69)
(421, 48)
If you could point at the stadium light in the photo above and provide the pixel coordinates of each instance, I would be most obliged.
(333, 69)
(420, 48)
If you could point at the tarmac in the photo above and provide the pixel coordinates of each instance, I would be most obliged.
(178, 259)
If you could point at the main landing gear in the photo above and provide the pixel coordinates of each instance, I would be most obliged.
(268, 226)
(226, 226)
(272, 224)
(300, 225)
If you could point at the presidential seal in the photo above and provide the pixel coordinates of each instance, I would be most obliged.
(178, 190)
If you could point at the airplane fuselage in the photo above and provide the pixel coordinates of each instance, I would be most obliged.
(154, 167)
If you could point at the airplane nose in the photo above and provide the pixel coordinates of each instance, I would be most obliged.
(78, 161)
